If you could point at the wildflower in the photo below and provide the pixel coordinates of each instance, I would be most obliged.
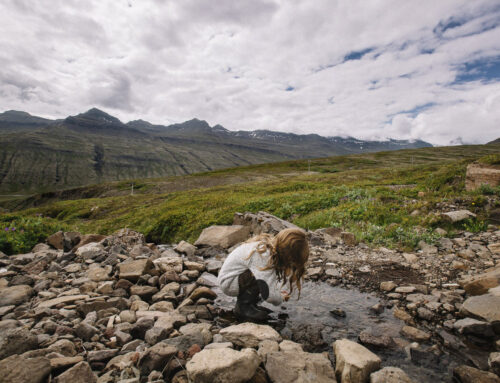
(13, 229)
(6, 229)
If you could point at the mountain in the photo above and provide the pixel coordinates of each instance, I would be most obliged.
(16, 121)
(37, 154)
(497, 141)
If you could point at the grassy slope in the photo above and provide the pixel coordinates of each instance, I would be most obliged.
(353, 192)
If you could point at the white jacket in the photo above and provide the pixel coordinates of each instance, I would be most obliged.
(239, 261)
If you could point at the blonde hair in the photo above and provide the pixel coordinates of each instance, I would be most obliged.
(289, 252)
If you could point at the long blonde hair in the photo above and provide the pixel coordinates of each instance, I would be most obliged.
(289, 252)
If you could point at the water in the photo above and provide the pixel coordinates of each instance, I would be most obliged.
(309, 321)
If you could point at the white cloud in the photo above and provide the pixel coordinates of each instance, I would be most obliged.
(231, 62)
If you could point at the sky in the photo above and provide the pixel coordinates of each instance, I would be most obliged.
(371, 69)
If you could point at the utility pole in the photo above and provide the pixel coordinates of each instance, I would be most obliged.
(132, 191)
(309, 166)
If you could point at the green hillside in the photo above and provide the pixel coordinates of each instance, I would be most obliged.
(39, 155)
(372, 195)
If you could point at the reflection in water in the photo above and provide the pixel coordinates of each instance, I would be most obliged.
(309, 321)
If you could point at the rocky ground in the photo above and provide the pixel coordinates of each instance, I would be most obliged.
(88, 308)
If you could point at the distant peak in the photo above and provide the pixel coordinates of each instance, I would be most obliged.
(98, 115)
(16, 113)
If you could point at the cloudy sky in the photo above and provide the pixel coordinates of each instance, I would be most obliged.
(427, 69)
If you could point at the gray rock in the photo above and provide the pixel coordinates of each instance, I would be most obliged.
(457, 216)
(79, 373)
(15, 295)
(223, 236)
(223, 365)
(16, 341)
(249, 334)
(17, 369)
(390, 375)
(474, 327)
(296, 366)
(467, 374)
(354, 363)
(155, 358)
(85, 331)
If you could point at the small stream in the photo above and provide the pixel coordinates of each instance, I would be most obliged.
(309, 321)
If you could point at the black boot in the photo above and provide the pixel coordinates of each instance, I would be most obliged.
(248, 297)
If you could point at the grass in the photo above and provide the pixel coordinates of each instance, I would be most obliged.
(356, 193)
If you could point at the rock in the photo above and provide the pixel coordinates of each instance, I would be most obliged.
(427, 249)
(65, 362)
(202, 292)
(198, 328)
(466, 374)
(223, 366)
(249, 334)
(338, 312)
(485, 307)
(185, 248)
(56, 240)
(387, 286)
(85, 331)
(474, 327)
(480, 283)
(169, 264)
(15, 295)
(40, 247)
(101, 355)
(457, 216)
(262, 222)
(79, 373)
(156, 357)
(90, 251)
(390, 375)
(373, 339)
(296, 366)
(133, 270)
(207, 279)
(410, 257)
(405, 289)
(288, 345)
(89, 238)
(494, 362)
(98, 274)
(16, 341)
(265, 348)
(213, 266)
(354, 363)
(16, 369)
(223, 236)
(481, 174)
(414, 333)
(64, 347)
(145, 292)
(348, 238)
(61, 300)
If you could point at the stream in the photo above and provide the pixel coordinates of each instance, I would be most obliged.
(309, 321)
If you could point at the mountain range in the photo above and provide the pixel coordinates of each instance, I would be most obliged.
(38, 154)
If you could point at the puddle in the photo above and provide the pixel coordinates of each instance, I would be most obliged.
(309, 321)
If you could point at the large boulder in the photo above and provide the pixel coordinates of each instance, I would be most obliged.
(303, 367)
(457, 216)
(390, 375)
(16, 341)
(467, 374)
(15, 295)
(17, 369)
(223, 236)
(79, 373)
(481, 283)
(249, 334)
(133, 270)
(480, 174)
(262, 222)
(90, 251)
(485, 307)
(223, 365)
(354, 363)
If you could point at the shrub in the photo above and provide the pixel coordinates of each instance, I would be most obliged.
(19, 235)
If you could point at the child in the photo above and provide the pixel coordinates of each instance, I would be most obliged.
(260, 267)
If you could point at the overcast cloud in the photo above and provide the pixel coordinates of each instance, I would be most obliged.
(369, 69)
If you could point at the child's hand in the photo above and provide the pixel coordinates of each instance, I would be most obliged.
(285, 295)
